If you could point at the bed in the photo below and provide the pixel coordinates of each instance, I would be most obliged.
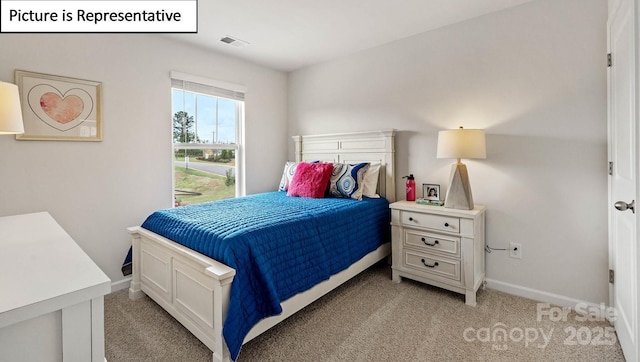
(199, 290)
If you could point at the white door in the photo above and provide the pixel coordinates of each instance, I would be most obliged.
(623, 244)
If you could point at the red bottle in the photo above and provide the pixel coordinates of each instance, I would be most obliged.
(411, 188)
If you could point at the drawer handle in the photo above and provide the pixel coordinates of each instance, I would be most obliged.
(435, 264)
(434, 243)
(411, 219)
(446, 224)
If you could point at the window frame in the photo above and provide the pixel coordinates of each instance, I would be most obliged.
(237, 147)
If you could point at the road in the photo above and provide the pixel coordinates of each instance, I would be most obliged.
(216, 168)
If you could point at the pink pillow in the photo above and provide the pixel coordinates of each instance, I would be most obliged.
(310, 180)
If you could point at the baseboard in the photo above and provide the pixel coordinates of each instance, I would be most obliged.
(120, 284)
(537, 295)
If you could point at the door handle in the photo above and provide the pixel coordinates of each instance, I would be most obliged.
(623, 206)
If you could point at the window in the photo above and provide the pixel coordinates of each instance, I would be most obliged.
(207, 119)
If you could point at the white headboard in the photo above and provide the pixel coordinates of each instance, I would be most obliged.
(373, 146)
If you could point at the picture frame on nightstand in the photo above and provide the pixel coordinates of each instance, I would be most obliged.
(431, 192)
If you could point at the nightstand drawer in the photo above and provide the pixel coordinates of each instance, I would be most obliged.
(436, 222)
(448, 245)
(434, 265)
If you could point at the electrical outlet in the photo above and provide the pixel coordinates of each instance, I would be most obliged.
(515, 250)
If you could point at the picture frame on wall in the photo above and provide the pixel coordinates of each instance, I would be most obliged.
(59, 108)
(431, 192)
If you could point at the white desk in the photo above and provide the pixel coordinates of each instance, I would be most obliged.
(51, 294)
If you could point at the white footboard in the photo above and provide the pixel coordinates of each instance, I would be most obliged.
(193, 288)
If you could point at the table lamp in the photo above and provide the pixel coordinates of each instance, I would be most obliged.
(460, 143)
(10, 111)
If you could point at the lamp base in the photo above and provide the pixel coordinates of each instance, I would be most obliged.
(459, 192)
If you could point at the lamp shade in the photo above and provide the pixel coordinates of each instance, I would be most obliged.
(462, 143)
(10, 111)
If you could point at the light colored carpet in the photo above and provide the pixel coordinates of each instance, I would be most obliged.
(370, 318)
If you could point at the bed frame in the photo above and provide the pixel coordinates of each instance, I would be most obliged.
(194, 288)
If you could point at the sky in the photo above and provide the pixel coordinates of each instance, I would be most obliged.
(205, 114)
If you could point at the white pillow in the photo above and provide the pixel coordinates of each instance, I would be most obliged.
(371, 181)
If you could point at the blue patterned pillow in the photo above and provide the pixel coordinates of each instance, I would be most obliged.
(347, 180)
(287, 175)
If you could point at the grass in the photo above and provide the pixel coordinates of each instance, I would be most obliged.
(210, 186)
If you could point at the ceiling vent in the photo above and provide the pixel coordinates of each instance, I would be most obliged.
(234, 42)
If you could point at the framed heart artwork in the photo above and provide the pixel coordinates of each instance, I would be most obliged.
(59, 108)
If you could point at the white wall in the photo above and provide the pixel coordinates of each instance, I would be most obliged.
(534, 77)
(96, 190)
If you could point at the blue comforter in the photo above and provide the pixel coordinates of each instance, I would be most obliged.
(278, 245)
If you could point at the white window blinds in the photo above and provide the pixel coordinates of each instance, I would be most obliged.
(207, 86)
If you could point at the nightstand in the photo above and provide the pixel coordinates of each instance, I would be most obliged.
(439, 246)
